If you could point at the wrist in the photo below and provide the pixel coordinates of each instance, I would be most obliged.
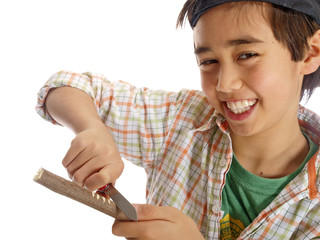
(96, 124)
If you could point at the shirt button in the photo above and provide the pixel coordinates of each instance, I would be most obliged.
(223, 162)
(215, 208)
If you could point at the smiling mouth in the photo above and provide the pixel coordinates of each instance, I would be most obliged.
(242, 106)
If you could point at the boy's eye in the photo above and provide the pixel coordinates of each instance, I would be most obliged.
(247, 56)
(208, 62)
(207, 65)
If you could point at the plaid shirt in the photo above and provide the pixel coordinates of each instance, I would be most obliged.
(185, 148)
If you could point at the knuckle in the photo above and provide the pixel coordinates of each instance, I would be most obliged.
(116, 229)
(93, 183)
(78, 142)
(90, 185)
(95, 146)
(64, 163)
(74, 141)
(77, 178)
(101, 178)
(71, 171)
(101, 160)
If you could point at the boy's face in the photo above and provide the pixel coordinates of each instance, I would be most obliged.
(246, 74)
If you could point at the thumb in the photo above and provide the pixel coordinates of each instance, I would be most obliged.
(147, 212)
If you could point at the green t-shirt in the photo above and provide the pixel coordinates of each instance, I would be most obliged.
(245, 195)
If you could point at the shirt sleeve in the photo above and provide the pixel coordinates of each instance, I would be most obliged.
(138, 118)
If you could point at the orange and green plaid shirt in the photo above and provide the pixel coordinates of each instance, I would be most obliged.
(185, 148)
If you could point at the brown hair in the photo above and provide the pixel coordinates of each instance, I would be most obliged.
(291, 28)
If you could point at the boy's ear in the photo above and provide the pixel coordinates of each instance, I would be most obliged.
(312, 59)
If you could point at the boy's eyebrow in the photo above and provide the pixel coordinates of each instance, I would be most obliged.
(200, 50)
(230, 43)
(241, 41)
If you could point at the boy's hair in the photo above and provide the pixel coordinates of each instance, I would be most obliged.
(291, 28)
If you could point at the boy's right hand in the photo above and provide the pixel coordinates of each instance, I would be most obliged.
(93, 159)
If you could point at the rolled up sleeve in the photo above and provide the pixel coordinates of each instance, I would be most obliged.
(138, 118)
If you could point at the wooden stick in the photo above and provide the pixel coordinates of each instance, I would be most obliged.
(80, 194)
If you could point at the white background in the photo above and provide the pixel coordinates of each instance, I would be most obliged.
(135, 41)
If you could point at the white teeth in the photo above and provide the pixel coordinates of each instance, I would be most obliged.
(240, 106)
(232, 105)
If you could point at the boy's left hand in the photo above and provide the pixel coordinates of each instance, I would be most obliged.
(156, 222)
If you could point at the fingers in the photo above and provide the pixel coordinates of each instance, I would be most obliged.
(73, 161)
(73, 157)
(95, 174)
(105, 175)
(92, 161)
(151, 212)
(150, 219)
(158, 223)
(140, 230)
(89, 169)
(77, 156)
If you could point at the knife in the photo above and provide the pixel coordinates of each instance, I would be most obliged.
(121, 202)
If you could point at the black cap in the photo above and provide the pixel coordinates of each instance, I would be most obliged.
(308, 7)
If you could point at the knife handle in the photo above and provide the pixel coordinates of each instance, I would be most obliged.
(104, 189)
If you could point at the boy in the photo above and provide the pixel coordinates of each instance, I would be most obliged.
(238, 160)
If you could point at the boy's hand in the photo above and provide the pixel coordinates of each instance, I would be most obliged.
(158, 223)
(93, 159)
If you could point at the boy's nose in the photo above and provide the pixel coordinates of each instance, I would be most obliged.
(228, 80)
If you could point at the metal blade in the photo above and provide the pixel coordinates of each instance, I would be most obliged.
(122, 203)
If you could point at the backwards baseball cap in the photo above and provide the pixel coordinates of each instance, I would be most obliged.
(308, 7)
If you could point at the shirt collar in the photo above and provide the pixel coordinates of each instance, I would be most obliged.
(310, 124)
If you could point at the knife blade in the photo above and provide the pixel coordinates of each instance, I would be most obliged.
(121, 202)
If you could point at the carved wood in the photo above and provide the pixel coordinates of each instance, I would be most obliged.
(80, 194)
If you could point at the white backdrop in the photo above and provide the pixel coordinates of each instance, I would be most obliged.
(135, 41)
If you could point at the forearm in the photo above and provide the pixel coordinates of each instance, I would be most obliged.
(73, 108)
(93, 159)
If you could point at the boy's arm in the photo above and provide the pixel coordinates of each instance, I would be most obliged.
(93, 159)
(73, 108)
(139, 119)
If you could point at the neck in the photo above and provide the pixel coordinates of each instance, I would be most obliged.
(273, 154)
